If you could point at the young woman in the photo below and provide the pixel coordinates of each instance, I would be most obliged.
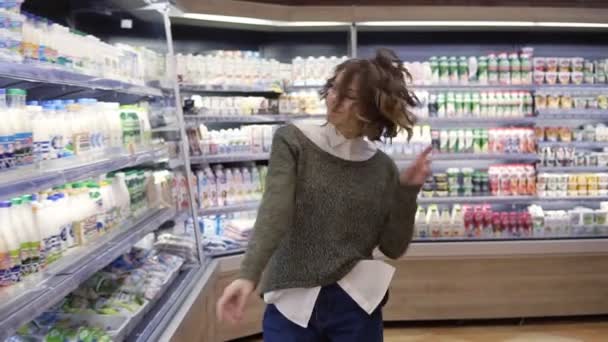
(331, 199)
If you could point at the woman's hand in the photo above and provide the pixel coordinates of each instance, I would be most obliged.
(416, 174)
(231, 306)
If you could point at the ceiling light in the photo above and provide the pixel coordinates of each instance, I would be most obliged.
(260, 22)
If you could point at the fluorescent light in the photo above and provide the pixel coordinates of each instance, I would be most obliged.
(446, 23)
(581, 25)
(260, 22)
(415, 23)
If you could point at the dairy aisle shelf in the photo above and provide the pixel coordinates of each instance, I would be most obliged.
(573, 169)
(572, 88)
(50, 75)
(227, 90)
(477, 199)
(575, 144)
(473, 156)
(568, 199)
(167, 310)
(229, 158)
(233, 208)
(467, 87)
(478, 122)
(21, 303)
(56, 172)
(583, 114)
(257, 118)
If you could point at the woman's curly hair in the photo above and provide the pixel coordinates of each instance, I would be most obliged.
(383, 99)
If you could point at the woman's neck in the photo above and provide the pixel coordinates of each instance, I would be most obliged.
(348, 131)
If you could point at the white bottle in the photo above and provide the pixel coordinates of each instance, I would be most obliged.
(446, 229)
(121, 195)
(9, 248)
(32, 231)
(433, 219)
(231, 188)
(19, 229)
(457, 221)
(422, 225)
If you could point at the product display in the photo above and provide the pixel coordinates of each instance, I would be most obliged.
(62, 128)
(478, 104)
(313, 71)
(30, 39)
(225, 69)
(575, 70)
(100, 307)
(563, 102)
(221, 186)
(37, 230)
(224, 233)
(572, 184)
(245, 139)
(504, 68)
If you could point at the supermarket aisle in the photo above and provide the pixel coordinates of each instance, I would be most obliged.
(540, 332)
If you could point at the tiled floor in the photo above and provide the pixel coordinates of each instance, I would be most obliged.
(562, 331)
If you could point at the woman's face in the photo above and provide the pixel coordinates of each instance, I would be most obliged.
(343, 113)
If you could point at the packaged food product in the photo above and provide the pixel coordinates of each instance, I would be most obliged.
(565, 102)
(551, 64)
(577, 64)
(540, 64)
(564, 77)
(551, 77)
(564, 64)
(577, 77)
(553, 101)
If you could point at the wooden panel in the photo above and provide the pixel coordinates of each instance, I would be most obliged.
(199, 325)
(543, 3)
(498, 288)
(252, 321)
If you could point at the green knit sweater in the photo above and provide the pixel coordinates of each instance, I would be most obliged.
(321, 215)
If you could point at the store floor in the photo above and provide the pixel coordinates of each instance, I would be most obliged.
(563, 330)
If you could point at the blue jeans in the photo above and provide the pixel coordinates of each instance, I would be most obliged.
(336, 318)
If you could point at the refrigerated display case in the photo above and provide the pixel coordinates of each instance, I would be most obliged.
(511, 223)
(89, 196)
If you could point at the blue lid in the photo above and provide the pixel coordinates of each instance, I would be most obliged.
(59, 106)
(48, 106)
(92, 101)
(32, 103)
(59, 195)
(2, 91)
(82, 101)
(5, 204)
(68, 102)
(57, 102)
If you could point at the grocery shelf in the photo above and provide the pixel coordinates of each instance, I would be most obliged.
(168, 313)
(473, 156)
(470, 87)
(566, 169)
(571, 88)
(575, 144)
(573, 113)
(230, 158)
(227, 90)
(21, 303)
(226, 253)
(477, 199)
(478, 122)
(51, 173)
(258, 118)
(569, 199)
(41, 73)
(233, 208)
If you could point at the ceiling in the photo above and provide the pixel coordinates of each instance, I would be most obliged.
(536, 3)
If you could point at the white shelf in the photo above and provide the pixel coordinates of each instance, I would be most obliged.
(477, 122)
(470, 87)
(227, 90)
(477, 199)
(472, 156)
(248, 206)
(582, 114)
(32, 178)
(575, 144)
(23, 302)
(258, 118)
(41, 73)
(571, 88)
(230, 158)
(573, 169)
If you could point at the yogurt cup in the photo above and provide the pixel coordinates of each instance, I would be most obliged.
(564, 77)
(577, 77)
(551, 77)
(539, 77)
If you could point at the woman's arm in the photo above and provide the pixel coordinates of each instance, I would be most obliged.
(403, 190)
(276, 210)
(399, 228)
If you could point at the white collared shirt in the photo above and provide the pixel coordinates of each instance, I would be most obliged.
(369, 280)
